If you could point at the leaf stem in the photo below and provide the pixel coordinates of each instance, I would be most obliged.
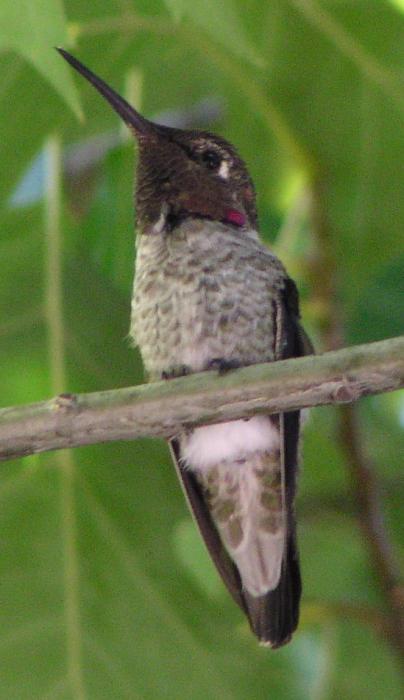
(64, 459)
(387, 82)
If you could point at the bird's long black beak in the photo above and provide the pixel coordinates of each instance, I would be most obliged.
(133, 119)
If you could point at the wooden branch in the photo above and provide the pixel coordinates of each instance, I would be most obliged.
(163, 409)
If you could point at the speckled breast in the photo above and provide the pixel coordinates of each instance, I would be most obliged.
(201, 292)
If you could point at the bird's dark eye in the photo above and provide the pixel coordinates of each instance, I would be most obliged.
(211, 159)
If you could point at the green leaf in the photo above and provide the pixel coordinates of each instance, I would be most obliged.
(33, 30)
(374, 312)
(177, 8)
(193, 555)
(399, 4)
(221, 21)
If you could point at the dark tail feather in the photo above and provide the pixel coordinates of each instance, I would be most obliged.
(274, 616)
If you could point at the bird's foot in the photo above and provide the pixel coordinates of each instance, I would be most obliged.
(221, 365)
(176, 371)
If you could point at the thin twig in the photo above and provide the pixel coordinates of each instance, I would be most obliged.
(321, 610)
(362, 473)
(368, 498)
(388, 82)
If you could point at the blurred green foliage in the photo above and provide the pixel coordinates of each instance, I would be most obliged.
(106, 590)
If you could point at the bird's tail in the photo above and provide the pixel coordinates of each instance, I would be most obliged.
(273, 617)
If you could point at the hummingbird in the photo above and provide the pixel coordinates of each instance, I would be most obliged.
(208, 294)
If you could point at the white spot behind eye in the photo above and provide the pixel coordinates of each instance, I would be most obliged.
(224, 170)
